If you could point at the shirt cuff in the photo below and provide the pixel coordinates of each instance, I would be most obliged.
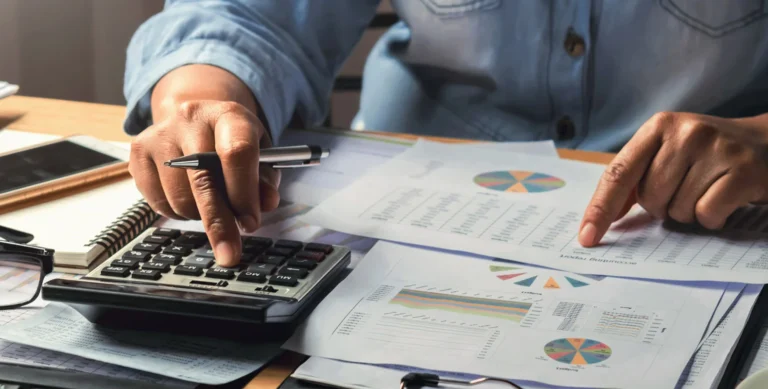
(263, 85)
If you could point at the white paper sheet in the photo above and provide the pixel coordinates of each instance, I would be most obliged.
(705, 369)
(435, 310)
(22, 354)
(702, 372)
(58, 327)
(758, 359)
(355, 153)
(730, 297)
(435, 196)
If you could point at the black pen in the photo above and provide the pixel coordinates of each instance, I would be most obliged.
(277, 157)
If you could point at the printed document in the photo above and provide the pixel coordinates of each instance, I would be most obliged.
(11, 352)
(528, 209)
(436, 310)
(758, 359)
(731, 295)
(58, 327)
(706, 368)
(703, 369)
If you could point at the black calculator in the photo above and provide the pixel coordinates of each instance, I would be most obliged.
(169, 278)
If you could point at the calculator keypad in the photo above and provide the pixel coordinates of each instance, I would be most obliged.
(183, 258)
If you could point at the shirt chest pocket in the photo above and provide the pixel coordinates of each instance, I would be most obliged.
(456, 8)
(717, 18)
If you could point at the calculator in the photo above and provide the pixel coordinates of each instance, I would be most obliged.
(167, 276)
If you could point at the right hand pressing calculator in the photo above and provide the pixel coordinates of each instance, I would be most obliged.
(170, 275)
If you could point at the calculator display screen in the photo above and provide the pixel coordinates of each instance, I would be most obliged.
(47, 163)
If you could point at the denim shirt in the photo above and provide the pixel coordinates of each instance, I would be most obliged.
(586, 73)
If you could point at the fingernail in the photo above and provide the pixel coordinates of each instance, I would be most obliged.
(225, 253)
(588, 234)
(248, 223)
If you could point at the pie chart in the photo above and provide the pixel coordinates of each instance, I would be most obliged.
(577, 351)
(518, 181)
(540, 278)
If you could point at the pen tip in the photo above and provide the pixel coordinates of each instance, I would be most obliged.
(167, 163)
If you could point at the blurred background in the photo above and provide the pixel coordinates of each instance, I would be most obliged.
(75, 50)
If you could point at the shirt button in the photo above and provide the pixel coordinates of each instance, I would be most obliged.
(574, 44)
(566, 130)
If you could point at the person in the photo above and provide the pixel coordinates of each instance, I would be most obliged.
(678, 88)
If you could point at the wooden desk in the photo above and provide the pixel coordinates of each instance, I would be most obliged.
(105, 122)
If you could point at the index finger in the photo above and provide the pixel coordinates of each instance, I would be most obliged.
(218, 219)
(618, 183)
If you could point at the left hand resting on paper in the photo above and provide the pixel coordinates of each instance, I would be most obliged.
(686, 167)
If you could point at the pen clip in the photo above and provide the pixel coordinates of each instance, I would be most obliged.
(297, 164)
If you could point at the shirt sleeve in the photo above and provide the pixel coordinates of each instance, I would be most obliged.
(288, 52)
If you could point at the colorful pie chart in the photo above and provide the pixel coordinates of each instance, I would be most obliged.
(518, 181)
(577, 351)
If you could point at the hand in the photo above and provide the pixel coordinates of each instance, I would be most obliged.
(235, 133)
(685, 167)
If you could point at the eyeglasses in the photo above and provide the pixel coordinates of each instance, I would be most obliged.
(22, 270)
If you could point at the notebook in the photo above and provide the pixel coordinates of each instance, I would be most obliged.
(87, 227)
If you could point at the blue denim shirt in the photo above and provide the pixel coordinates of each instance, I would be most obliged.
(586, 73)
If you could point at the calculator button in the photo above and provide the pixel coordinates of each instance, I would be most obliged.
(204, 252)
(178, 249)
(157, 239)
(283, 280)
(204, 262)
(167, 232)
(320, 247)
(311, 255)
(167, 258)
(161, 267)
(194, 239)
(289, 244)
(146, 274)
(294, 271)
(258, 241)
(187, 270)
(261, 268)
(253, 249)
(247, 258)
(148, 247)
(251, 276)
(115, 271)
(303, 263)
(217, 272)
(281, 252)
(126, 263)
(272, 260)
(137, 255)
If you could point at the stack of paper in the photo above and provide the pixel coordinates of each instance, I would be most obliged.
(57, 336)
(411, 309)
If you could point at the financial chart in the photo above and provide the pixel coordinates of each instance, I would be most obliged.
(437, 310)
(532, 213)
(577, 351)
(542, 278)
(518, 181)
